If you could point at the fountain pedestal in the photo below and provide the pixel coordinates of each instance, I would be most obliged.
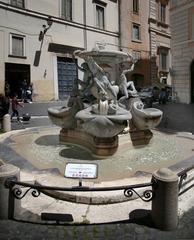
(140, 137)
(97, 145)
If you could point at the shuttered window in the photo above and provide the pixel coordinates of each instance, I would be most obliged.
(100, 17)
(192, 27)
(136, 6)
(163, 53)
(17, 45)
(136, 32)
(162, 12)
(17, 3)
(66, 9)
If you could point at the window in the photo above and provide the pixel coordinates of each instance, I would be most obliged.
(191, 25)
(135, 32)
(136, 6)
(192, 30)
(162, 12)
(17, 3)
(136, 55)
(17, 45)
(163, 59)
(163, 80)
(100, 17)
(173, 3)
(66, 9)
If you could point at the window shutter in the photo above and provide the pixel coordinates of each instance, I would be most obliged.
(17, 46)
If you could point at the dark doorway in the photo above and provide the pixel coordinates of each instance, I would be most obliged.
(138, 80)
(67, 72)
(15, 74)
(192, 82)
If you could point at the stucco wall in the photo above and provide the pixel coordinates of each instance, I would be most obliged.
(44, 77)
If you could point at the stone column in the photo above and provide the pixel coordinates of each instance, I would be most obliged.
(6, 123)
(165, 202)
(7, 201)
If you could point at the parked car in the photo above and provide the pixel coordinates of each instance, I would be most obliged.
(148, 95)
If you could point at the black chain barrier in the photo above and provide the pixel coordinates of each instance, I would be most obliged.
(129, 190)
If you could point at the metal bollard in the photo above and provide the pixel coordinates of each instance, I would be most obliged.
(6, 123)
(8, 204)
(165, 202)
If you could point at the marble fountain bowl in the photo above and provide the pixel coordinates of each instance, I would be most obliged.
(43, 158)
(39, 149)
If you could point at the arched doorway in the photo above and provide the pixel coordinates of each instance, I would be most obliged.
(138, 80)
(192, 82)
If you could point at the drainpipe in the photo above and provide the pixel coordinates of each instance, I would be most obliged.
(84, 21)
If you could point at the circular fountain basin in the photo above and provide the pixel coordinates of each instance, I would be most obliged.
(38, 152)
(42, 149)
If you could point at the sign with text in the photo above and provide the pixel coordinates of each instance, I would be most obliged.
(79, 170)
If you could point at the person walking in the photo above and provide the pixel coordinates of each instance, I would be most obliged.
(162, 96)
(14, 105)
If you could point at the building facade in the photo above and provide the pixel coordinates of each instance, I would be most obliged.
(38, 38)
(145, 30)
(182, 22)
(135, 38)
(160, 39)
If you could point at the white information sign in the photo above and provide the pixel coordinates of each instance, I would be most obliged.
(79, 170)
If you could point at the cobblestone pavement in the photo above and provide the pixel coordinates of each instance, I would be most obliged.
(11, 230)
(177, 117)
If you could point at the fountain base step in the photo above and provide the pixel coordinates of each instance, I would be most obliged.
(98, 146)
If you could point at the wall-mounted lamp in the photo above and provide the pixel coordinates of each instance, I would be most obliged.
(41, 39)
(43, 32)
(49, 21)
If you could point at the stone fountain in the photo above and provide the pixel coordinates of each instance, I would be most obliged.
(95, 115)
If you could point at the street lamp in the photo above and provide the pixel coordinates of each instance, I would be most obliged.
(41, 39)
(43, 32)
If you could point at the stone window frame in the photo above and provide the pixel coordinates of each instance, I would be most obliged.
(173, 3)
(136, 55)
(163, 53)
(66, 14)
(12, 52)
(139, 32)
(99, 5)
(136, 6)
(191, 26)
(18, 3)
(162, 12)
